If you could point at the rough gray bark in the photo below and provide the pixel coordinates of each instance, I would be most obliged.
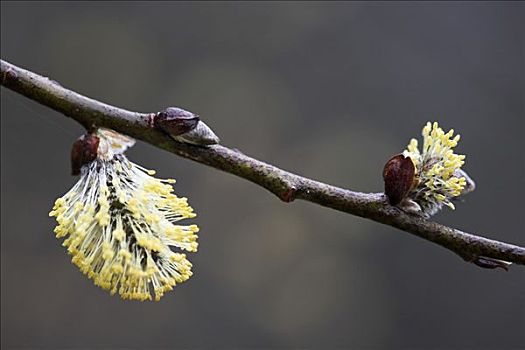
(285, 185)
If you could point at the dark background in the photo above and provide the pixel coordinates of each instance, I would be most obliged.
(326, 90)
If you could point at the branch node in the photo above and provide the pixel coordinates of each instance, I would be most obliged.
(490, 263)
(9, 74)
(289, 195)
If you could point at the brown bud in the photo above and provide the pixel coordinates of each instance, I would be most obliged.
(84, 150)
(175, 121)
(399, 177)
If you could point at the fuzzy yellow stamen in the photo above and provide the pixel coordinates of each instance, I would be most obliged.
(437, 167)
(121, 223)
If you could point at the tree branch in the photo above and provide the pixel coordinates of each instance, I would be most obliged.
(287, 186)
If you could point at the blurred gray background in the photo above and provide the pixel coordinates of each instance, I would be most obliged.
(326, 90)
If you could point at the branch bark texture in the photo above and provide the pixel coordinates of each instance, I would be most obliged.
(285, 185)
